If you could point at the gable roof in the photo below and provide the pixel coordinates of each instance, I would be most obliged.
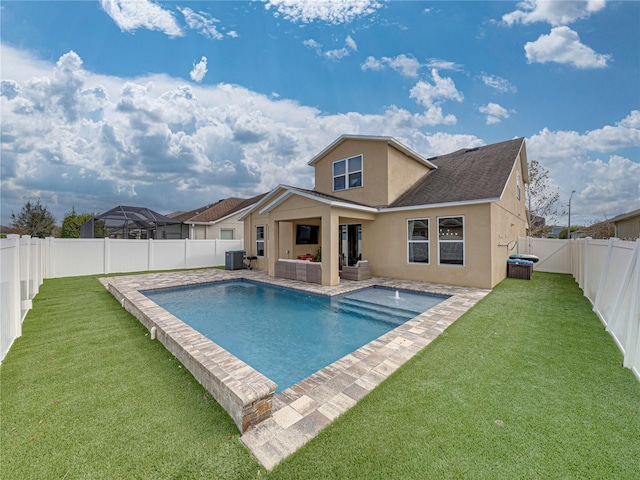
(217, 211)
(468, 175)
(388, 140)
(282, 192)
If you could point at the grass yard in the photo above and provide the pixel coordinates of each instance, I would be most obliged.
(525, 385)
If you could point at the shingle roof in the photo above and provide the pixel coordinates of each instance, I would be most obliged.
(218, 210)
(625, 216)
(463, 176)
(326, 196)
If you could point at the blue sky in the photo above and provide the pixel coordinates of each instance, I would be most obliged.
(174, 105)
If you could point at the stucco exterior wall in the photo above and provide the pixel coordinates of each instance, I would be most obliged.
(386, 174)
(402, 173)
(385, 246)
(250, 224)
(509, 221)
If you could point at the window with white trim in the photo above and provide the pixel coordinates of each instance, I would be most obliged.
(518, 186)
(418, 241)
(347, 173)
(226, 234)
(260, 241)
(451, 241)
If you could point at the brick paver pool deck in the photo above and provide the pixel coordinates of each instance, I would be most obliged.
(301, 411)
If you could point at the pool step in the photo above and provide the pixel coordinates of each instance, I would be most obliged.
(390, 315)
(380, 307)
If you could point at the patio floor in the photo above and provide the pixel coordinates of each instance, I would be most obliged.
(301, 411)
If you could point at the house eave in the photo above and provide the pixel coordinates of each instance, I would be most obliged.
(290, 191)
(389, 140)
(438, 205)
(263, 201)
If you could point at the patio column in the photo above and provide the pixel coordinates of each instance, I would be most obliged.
(273, 242)
(330, 269)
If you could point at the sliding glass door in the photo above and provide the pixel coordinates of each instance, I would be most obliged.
(350, 245)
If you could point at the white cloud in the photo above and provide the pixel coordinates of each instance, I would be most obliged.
(431, 95)
(443, 64)
(563, 45)
(555, 13)
(74, 138)
(335, 54)
(329, 11)
(406, 65)
(204, 23)
(199, 70)
(605, 187)
(130, 15)
(632, 120)
(500, 84)
(612, 186)
(494, 112)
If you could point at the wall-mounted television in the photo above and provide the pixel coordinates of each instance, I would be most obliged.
(307, 234)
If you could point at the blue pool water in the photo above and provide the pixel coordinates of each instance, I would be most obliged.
(284, 334)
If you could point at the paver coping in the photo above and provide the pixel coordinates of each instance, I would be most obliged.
(301, 411)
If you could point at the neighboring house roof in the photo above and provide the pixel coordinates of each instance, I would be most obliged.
(389, 140)
(468, 175)
(219, 210)
(7, 230)
(625, 216)
(142, 217)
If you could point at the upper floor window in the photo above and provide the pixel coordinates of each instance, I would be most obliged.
(518, 186)
(347, 173)
(451, 240)
(418, 240)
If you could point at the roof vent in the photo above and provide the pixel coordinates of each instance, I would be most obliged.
(472, 149)
(431, 158)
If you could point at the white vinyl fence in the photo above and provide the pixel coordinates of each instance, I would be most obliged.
(26, 261)
(71, 257)
(21, 275)
(608, 272)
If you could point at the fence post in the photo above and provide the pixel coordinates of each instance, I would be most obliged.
(633, 333)
(626, 281)
(106, 256)
(149, 254)
(48, 257)
(603, 280)
(17, 300)
(186, 253)
(585, 268)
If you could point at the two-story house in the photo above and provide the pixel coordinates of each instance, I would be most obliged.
(452, 219)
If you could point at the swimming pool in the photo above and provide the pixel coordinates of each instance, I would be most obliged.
(288, 335)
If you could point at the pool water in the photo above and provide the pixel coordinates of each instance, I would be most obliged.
(284, 334)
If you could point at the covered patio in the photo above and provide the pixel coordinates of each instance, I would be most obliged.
(304, 225)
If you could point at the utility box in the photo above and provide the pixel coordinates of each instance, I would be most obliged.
(234, 260)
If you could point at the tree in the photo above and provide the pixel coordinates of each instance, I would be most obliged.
(72, 222)
(542, 200)
(34, 219)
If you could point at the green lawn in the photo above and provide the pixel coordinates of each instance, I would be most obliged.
(525, 385)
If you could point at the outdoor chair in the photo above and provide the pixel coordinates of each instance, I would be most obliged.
(360, 271)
